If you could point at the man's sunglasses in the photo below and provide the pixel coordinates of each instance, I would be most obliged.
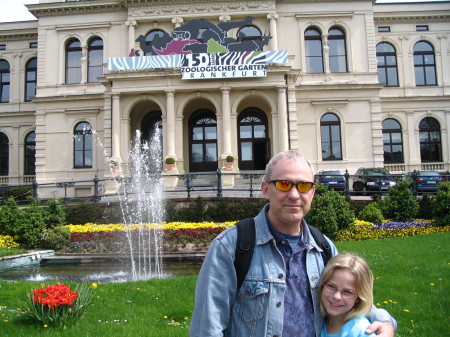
(286, 185)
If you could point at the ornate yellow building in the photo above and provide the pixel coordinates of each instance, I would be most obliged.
(357, 84)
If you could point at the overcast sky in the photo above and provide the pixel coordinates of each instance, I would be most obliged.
(14, 10)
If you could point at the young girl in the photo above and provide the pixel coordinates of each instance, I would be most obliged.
(346, 296)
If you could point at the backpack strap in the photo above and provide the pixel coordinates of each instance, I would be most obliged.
(245, 244)
(322, 243)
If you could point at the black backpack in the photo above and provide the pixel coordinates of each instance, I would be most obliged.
(245, 244)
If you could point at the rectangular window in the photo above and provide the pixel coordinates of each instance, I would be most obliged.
(422, 28)
(384, 29)
(33, 44)
(2, 46)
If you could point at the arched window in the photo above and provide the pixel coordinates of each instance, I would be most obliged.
(82, 144)
(203, 141)
(338, 50)
(73, 62)
(430, 140)
(424, 64)
(149, 44)
(330, 130)
(387, 64)
(95, 59)
(313, 50)
(254, 149)
(30, 154)
(4, 155)
(392, 141)
(30, 79)
(150, 123)
(249, 33)
(4, 81)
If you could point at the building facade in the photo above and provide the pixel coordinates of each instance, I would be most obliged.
(363, 85)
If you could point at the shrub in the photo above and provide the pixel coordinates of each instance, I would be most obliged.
(30, 225)
(26, 224)
(54, 214)
(8, 214)
(194, 212)
(84, 213)
(16, 192)
(56, 238)
(170, 161)
(425, 207)
(229, 159)
(400, 203)
(330, 212)
(371, 213)
(224, 209)
(441, 209)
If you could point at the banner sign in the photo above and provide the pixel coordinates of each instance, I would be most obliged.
(211, 54)
(205, 65)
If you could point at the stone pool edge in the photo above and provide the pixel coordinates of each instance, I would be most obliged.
(25, 259)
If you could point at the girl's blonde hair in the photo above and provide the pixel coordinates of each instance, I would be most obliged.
(363, 282)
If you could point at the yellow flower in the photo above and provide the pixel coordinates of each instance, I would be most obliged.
(45, 325)
(432, 284)
(94, 285)
(385, 302)
(405, 310)
(165, 317)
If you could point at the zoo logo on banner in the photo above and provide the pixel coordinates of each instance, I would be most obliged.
(203, 50)
(223, 65)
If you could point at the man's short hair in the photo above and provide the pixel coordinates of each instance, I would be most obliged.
(288, 154)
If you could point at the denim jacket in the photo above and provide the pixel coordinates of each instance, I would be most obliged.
(257, 310)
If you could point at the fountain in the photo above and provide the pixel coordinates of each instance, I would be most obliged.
(141, 203)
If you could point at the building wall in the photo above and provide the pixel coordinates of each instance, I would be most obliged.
(116, 105)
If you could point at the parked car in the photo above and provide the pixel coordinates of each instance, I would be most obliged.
(372, 180)
(425, 181)
(332, 178)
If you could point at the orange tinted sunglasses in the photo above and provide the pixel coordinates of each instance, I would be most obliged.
(286, 185)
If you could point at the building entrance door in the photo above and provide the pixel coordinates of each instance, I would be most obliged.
(203, 141)
(254, 143)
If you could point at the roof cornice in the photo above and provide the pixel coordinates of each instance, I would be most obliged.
(18, 35)
(412, 18)
(74, 7)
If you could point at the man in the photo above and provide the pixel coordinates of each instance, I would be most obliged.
(279, 294)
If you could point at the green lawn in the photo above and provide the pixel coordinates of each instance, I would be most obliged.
(411, 277)
(11, 251)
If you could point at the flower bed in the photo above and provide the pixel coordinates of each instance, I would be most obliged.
(112, 237)
(7, 241)
(363, 230)
(92, 238)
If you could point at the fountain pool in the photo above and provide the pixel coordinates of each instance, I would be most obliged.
(101, 271)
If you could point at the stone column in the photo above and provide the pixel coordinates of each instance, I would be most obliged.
(84, 66)
(282, 119)
(115, 128)
(16, 89)
(132, 24)
(326, 54)
(14, 160)
(226, 125)
(170, 123)
(413, 140)
(272, 17)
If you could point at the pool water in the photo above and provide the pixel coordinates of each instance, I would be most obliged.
(92, 272)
